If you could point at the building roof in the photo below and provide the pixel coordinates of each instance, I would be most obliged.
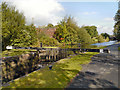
(48, 31)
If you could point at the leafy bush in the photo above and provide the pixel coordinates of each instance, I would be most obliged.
(100, 39)
(119, 48)
(68, 31)
(46, 40)
(14, 30)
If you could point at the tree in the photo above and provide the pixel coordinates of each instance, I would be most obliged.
(43, 38)
(69, 30)
(72, 28)
(61, 32)
(14, 30)
(107, 39)
(115, 31)
(83, 36)
(100, 39)
(105, 35)
(13, 23)
(31, 29)
(117, 25)
(50, 25)
(92, 30)
(66, 30)
(95, 32)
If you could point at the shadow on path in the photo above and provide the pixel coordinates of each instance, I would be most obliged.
(87, 80)
(101, 72)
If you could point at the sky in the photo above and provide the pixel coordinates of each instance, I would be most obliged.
(87, 0)
(85, 12)
(100, 14)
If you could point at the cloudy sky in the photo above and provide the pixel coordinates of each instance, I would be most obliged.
(86, 12)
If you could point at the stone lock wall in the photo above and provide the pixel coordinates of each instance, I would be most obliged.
(14, 67)
(17, 66)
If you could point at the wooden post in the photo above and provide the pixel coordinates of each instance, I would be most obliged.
(66, 52)
(55, 54)
(71, 44)
(60, 53)
(41, 45)
(49, 57)
(79, 46)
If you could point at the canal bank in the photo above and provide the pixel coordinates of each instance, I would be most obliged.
(114, 49)
(101, 72)
(43, 78)
(60, 75)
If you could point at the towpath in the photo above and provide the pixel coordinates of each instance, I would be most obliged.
(101, 72)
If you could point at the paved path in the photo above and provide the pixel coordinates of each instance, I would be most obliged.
(101, 72)
(114, 49)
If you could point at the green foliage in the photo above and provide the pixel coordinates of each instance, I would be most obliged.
(16, 33)
(117, 26)
(43, 38)
(14, 30)
(12, 21)
(105, 35)
(107, 39)
(115, 30)
(50, 25)
(92, 30)
(94, 40)
(61, 32)
(83, 36)
(100, 39)
(68, 31)
(119, 48)
(31, 29)
(72, 29)
(14, 52)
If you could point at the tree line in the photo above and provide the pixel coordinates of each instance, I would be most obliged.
(68, 31)
(117, 25)
(15, 32)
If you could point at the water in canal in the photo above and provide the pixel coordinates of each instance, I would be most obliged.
(90, 45)
(104, 43)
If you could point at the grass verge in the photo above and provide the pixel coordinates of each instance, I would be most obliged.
(119, 48)
(61, 74)
(101, 47)
(14, 52)
(49, 47)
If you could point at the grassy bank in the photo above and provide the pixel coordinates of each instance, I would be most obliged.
(119, 48)
(101, 47)
(119, 45)
(49, 47)
(63, 71)
(14, 52)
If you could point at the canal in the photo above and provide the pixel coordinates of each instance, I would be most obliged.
(104, 43)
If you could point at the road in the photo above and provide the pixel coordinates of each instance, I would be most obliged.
(101, 72)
